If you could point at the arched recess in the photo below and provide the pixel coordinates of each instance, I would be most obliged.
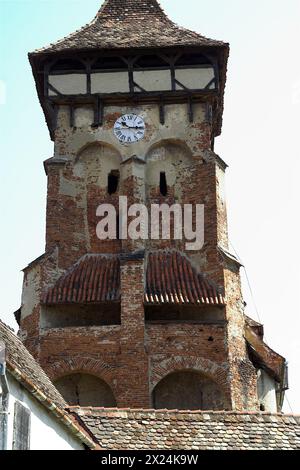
(165, 365)
(95, 161)
(168, 161)
(81, 389)
(188, 390)
(98, 166)
(73, 365)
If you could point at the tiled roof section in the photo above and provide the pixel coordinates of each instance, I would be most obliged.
(18, 357)
(122, 24)
(258, 328)
(172, 279)
(24, 368)
(124, 9)
(94, 279)
(269, 358)
(140, 429)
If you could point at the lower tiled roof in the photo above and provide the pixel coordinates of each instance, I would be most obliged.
(24, 368)
(170, 278)
(94, 279)
(273, 361)
(118, 429)
(19, 358)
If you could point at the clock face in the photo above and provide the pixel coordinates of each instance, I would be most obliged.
(129, 128)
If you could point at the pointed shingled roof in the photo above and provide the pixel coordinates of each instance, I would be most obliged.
(122, 24)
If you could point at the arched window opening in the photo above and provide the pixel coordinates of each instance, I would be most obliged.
(163, 186)
(113, 181)
(188, 390)
(85, 390)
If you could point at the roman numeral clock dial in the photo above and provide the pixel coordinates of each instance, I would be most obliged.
(129, 128)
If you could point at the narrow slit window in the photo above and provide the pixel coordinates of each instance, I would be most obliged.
(113, 182)
(163, 184)
(118, 227)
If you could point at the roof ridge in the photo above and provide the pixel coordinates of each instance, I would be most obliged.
(102, 15)
(8, 327)
(122, 23)
(83, 409)
(123, 7)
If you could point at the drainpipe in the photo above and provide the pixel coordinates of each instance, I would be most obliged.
(4, 399)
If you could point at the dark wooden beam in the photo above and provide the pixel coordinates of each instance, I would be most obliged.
(98, 112)
(51, 87)
(212, 81)
(173, 79)
(177, 82)
(208, 113)
(72, 115)
(190, 109)
(161, 111)
(178, 96)
(52, 110)
(88, 78)
(46, 80)
(136, 85)
(130, 76)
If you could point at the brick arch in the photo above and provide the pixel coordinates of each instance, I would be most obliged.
(173, 141)
(97, 144)
(166, 366)
(83, 365)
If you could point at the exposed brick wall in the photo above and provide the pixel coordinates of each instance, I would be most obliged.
(134, 359)
(131, 358)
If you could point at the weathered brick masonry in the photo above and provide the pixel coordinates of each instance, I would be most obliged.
(124, 339)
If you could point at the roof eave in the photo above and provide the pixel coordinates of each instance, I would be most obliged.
(40, 94)
(75, 428)
(223, 50)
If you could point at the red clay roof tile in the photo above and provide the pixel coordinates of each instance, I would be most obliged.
(122, 24)
(94, 279)
(170, 278)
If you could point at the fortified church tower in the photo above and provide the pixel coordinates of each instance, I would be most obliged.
(133, 103)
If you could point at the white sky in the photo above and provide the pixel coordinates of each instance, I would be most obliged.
(260, 142)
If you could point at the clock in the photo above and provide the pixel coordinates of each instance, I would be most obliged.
(129, 128)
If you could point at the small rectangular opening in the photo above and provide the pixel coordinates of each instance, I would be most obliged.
(113, 181)
(163, 186)
(181, 314)
(77, 315)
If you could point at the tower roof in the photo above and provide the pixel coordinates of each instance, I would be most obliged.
(122, 24)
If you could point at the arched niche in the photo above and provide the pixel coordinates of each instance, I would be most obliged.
(168, 162)
(188, 390)
(96, 161)
(81, 389)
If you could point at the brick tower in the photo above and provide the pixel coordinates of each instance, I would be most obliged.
(133, 103)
